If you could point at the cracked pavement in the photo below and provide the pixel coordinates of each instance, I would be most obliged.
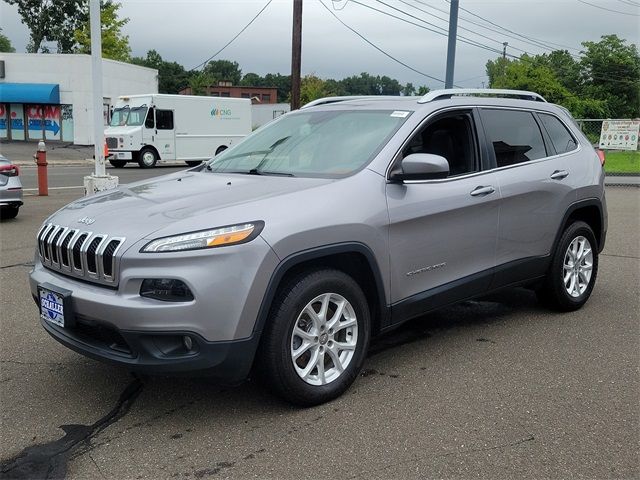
(494, 388)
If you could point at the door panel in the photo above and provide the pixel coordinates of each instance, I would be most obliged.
(439, 232)
(165, 134)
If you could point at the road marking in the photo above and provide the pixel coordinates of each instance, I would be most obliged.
(52, 188)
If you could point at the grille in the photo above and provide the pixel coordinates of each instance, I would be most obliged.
(112, 142)
(86, 255)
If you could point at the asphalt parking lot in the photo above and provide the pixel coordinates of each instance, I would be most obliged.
(495, 388)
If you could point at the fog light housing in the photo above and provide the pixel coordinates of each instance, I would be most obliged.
(166, 290)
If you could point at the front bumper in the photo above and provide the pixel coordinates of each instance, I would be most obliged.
(155, 353)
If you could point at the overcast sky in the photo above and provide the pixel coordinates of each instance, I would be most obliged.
(189, 31)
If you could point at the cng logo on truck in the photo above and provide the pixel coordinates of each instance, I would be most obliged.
(221, 112)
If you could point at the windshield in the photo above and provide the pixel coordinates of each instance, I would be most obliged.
(312, 144)
(128, 116)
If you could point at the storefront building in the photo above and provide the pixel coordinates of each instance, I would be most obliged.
(49, 95)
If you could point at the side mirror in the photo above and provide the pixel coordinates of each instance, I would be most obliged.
(420, 166)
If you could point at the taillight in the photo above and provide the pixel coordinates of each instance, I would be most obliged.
(10, 170)
(601, 156)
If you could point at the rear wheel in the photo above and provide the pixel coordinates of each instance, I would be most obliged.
(193, 163)
(316, 337)
(221, 149)
(147, 158)
(118, 163)
(573, 270)
(9, 212)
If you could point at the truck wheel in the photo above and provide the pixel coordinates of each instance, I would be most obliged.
(193, 163)
(118, 163)
(147, 158)
(220, 149)
(8, 212)
(573, 270)
(316, 338)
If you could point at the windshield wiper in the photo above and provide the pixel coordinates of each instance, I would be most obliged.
(255, 171)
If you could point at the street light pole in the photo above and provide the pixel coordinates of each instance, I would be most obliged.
(296, 54)
(451, 46)
(99, 181)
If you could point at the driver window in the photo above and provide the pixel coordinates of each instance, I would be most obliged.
(149, 122)
(451, 137)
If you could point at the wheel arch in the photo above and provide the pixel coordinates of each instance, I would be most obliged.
(588, 211)
(150, 147)
(355, 259)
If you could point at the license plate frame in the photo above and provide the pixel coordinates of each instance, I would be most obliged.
(55, 305)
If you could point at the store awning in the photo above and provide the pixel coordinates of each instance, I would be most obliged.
(29, 93)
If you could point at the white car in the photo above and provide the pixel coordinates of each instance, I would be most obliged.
(10, 189)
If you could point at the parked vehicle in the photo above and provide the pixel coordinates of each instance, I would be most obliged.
(149, 128)
(10, 189)
(330, 225)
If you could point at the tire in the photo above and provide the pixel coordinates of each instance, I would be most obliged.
(319, 338)
(193, 163)
(147, 158)
(565, 296)
(221, 149)
(7, 213)
(118, 163)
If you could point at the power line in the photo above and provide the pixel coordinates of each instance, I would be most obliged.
(531, 42)
(378, 48)
(609, 9)
(630, 2)
(233, 39)
(528, 37)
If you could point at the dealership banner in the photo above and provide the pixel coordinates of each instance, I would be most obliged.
(619, 134)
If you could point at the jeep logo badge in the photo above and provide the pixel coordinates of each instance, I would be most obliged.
(86, 220)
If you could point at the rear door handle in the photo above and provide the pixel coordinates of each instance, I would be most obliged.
(480, 191)
(559, 174)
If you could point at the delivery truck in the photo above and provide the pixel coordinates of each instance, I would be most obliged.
(156, 127)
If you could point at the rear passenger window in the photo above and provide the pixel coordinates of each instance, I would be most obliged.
(164, 119)
(515, 136)
(561, 139)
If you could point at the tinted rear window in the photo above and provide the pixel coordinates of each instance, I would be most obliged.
(515, 136)
(562, 140)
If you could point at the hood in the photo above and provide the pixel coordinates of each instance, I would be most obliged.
(122, 131)
(183, 201)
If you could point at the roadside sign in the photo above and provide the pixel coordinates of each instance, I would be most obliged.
(619, 134)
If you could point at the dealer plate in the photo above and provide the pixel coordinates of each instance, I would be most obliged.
(53, 306)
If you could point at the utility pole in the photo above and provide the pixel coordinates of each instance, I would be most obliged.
(99, 181)
(451, 46)
(504, 50)
(296, 54)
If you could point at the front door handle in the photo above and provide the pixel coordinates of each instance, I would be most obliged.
(559, 174)
(481, 191)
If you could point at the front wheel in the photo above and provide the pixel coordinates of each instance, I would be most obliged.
(147, 158)
(316, 337)
(118, 163)
(573, 270)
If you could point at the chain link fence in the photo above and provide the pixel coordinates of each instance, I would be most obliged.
(591, 127)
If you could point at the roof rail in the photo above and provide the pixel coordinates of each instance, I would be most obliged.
(458, 92)
(327, 100)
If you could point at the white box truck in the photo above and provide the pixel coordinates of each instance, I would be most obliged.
(149, 128)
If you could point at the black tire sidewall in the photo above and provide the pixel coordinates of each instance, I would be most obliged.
(9, 213)
(556, 284)
(287, 306)
(141, 155)
(118, 163)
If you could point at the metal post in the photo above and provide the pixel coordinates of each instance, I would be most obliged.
(99, 181)
(41, 161)
(296, 54)
(504, 49)
(451, 46)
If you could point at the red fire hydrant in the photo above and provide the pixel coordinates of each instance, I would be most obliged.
(41, 161)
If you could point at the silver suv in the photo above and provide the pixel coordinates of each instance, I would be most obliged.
(286, 253)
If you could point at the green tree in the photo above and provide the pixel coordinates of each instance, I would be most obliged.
(408, 90)
(51, 21)
(366, 84)
(610, 71)
(115, 45)
(224, 71)
(422, 90)
(312, 88)
(199, 82)
(281, 82)
(5, 43)
(252, 80)
(172, 76)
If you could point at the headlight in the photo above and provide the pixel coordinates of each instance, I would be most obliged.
(216, 237)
